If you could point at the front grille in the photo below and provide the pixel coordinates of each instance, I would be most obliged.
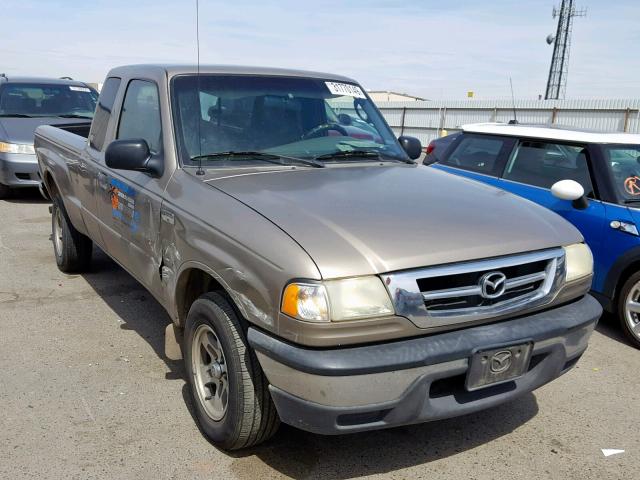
(462, 290)
(459, 293)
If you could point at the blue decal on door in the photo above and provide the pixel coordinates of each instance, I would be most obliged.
(123, 204)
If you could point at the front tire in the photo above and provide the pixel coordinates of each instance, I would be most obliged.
(228, 388)
(71, 248)
(629, 309)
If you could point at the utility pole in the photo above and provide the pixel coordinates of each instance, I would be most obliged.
(557, 82)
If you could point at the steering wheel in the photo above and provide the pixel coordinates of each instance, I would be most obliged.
(325, 127)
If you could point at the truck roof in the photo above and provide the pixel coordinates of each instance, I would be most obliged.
(54, 81)
(555, 132)
(172, 70)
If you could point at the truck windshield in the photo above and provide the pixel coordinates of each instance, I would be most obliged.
(288, 116)
(47, 100)
(624, 164)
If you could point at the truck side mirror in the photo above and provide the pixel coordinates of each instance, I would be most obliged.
(132, 154)
(411, 145)
(570, 190)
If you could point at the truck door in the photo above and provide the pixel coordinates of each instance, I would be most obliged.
(535, 165)
(130, 201)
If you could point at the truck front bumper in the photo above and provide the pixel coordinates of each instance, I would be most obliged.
(342, 390)
(19, 170)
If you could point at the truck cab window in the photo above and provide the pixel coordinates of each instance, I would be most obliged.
(140, 117)
(103, 112)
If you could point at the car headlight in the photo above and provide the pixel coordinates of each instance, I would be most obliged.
(579, 262)
(337, 300)
(6, 147)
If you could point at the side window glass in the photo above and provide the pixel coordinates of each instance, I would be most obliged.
(103, 113)
(476, 153)
(140, 117)
(542, 164)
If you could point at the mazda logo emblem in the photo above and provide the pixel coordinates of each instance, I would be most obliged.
(501, 361)
(492, 284)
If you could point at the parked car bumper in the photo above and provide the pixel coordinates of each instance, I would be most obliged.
(19, 170)
(332, 391)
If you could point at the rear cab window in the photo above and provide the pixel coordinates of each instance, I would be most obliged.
(103, 113)
(541, 163)
(479, 153)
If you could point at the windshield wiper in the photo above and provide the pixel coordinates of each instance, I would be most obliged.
(631, 200)
(17, 115)
(73, 115)
(359, 154)
(267, 157)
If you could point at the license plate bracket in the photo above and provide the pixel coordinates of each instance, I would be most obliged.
(493, 366)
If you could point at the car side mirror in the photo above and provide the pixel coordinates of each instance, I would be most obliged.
(132, 154)
(570, 190)
(411, 145)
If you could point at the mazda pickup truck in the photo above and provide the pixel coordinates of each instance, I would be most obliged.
(319, 276)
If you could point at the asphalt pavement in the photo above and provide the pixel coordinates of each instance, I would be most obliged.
(86, 391)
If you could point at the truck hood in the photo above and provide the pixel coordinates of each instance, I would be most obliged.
(21, 130)
(359, 220)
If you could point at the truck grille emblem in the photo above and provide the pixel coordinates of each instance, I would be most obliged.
(492, 284)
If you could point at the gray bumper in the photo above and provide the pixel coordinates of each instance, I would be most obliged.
(422, 379)
(18, 170)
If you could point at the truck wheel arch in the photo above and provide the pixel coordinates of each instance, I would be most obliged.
(50, 184)
(193, 281)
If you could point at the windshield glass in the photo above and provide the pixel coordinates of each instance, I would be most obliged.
(624, 164)
(47, 100)
(291, 117)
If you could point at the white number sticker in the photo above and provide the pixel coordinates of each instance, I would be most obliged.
(345, 89)
(79, 89)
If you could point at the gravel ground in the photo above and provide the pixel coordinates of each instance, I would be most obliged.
(86, 391)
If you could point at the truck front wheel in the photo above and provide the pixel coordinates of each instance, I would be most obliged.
(71, 248)
(228, 388)
(629, 308)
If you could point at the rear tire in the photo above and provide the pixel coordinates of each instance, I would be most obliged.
(5, 191)
(229, 391)
(71, 248)
(629, 309)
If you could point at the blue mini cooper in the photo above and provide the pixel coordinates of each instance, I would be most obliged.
(591, 179)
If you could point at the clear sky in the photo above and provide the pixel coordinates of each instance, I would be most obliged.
(435, 49)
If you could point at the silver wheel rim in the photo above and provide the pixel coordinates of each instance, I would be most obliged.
(632, 310)
(57, 232)
(210, 372)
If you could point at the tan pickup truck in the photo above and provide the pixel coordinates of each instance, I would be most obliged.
(321, 277)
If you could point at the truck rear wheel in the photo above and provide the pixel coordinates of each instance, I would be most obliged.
(629, 308)
(71, 248)
(228, 388)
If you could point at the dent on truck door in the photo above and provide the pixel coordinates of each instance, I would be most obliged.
(130, 215)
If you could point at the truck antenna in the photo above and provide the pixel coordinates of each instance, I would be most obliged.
(200, 171)
(513, 101)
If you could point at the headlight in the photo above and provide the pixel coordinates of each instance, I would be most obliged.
(579, 262)
(336, 300)
(16, 148)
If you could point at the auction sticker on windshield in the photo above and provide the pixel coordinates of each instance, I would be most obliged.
(345, 89)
